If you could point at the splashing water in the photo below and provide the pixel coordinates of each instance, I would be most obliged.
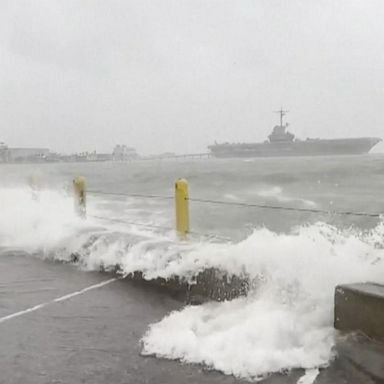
(286, 322)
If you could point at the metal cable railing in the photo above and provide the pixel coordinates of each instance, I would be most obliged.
(157, 227)
(122, 221)
(122, 194)
(241, 204)
(278, 207)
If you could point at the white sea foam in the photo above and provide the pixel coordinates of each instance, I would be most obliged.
(286, 322)
(36, 219)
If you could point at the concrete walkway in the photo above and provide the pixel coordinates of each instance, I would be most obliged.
(93, 336)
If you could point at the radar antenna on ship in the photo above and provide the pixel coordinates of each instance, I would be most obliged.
(282, 113)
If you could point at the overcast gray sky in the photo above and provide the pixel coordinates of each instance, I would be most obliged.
(175, 75)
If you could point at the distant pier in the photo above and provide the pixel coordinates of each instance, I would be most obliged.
(200, 156)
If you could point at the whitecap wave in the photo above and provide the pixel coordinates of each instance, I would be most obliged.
(286, 322)
(276, 193)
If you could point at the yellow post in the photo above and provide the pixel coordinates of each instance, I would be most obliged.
(182, 209)
(80, 196)
(33, 182)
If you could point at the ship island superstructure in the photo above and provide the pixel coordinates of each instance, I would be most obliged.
(281, 142)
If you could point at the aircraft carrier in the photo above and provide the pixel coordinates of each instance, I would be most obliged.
(283, 143)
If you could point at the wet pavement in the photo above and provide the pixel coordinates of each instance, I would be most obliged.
(94, 335)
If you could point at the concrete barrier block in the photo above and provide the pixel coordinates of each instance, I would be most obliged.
(360, 307)
(210, 284)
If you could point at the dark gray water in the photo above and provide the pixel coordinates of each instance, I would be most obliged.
(350, 183)
(299, 256)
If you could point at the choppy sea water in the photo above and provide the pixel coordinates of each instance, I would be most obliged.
(299, 257)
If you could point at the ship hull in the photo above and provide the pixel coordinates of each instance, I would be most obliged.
(310, 147)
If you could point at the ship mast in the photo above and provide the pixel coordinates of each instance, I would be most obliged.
(282, 113)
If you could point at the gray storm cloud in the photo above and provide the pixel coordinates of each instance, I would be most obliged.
(175, 75)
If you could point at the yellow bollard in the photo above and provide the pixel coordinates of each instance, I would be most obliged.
(33, 182)
(182, 209)
(80, 196)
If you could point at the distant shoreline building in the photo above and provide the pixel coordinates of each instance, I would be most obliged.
(40, 155)
(28, 154)
(8, 154)
(124, 153)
